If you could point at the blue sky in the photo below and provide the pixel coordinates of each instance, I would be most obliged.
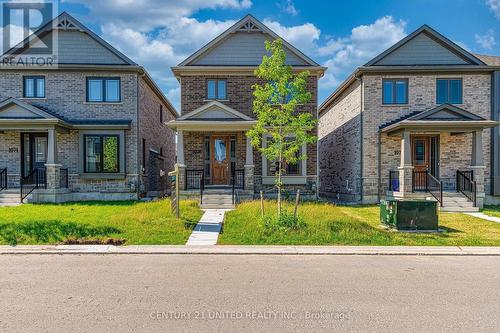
(342, 35)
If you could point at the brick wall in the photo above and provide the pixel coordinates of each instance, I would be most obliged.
(454, 150)
(157, 135)
(66, 95)
(340, 146)
(240, 98)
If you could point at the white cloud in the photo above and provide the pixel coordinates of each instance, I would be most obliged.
(16, 33)
(288, 7)
(303, 37)
(147, 15)
(494, 6)
(364, 43)
(486, 41)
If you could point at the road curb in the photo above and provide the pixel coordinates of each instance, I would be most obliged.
(247, 250)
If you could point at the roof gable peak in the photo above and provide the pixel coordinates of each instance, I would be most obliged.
(450, 50)
(248, 24)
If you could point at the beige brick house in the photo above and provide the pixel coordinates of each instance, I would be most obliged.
(416, 121)
(216, 111)
(90, 126)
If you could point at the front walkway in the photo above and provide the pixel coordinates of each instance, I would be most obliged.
(485, 217)
(208, 228)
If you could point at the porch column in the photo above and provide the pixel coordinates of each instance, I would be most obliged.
(180, 160)
(406, 166)
(53, 170)
(477, 165)
(180, 147)
(52, 147)
(249, 166)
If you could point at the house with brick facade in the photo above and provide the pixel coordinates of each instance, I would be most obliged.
(418, 120)
(89, 126)
(213, 151)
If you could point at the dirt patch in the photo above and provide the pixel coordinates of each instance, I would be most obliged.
(106, 241)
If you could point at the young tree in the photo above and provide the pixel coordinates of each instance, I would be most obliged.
(275, 104)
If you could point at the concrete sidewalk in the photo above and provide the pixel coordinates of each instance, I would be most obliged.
(252, 250)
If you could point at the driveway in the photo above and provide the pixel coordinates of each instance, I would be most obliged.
(248, 293)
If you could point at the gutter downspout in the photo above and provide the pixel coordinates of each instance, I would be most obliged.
(139, 134)
(379, 164)
(318, 181)
(360, 79)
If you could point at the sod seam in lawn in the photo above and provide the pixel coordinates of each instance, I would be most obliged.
(351, 225)
(135, 222)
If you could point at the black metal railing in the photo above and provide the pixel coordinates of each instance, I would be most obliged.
(195, 180)
(394, 180)
(435, 188)
(466, 185)
(35, 180)
(3, 179)
(237, 182)
(420, 181)
(63, 178)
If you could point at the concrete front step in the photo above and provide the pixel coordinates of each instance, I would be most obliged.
(217, 206)
(455, 209)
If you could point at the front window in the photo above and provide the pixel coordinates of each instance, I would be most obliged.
(101, 154)
(105, 90)
(395, 91)
(449, 91)
(216, 89)
(34, 87)
(289, 169)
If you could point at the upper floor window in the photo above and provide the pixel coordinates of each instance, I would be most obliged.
(103, 90)
(395, 91)
(161, 113)
(449, 91)
(216, 89)
(34, 87)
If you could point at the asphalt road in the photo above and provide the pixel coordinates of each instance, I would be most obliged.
(172, 293)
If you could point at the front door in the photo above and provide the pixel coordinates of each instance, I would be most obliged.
(420, 158)
(220, 160)
(34, 152)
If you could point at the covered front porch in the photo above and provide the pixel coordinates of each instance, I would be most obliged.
(441, 153)
(213, 150)
(42, 153)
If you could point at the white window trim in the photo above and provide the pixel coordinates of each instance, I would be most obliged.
(287, 180)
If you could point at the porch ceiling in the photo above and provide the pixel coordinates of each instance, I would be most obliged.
(212, 125)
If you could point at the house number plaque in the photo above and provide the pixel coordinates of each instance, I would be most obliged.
(13, 150)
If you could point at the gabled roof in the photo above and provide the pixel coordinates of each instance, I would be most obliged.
(24, 110)
(440, 117)
(247, 24)
(66, 22)
(215, 111)
(437, 37)
(14, 110)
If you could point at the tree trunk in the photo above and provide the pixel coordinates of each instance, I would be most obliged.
(280, 163)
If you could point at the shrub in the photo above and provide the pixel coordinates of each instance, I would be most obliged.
(284, 222)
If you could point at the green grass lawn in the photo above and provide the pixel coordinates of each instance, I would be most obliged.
(491, 211)
(134, 222)
(327, 224)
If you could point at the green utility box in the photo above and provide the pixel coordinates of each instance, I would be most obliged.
(409, 214)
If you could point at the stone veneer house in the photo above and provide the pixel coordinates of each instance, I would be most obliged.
(92, 126)
(418, 117)
(216, 111)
